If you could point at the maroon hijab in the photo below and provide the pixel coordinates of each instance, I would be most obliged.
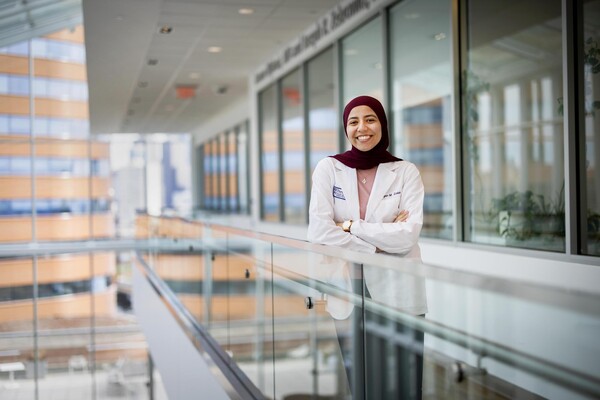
(357, 159)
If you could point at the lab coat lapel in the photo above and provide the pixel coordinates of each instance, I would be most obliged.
(383, 181)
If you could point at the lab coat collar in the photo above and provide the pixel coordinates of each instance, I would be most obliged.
(385, 177)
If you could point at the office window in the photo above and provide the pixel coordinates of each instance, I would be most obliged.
(223, 172)
(243, 152)
(362, 62)
(514, 124)
(232, 170)
(269, 154)
(591, 131)
(322, 116)
(293, 149)
(421, 105)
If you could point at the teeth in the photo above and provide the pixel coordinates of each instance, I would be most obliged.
(363, 137)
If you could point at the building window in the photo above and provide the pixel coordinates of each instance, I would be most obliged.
(421, 106)
(322, 116)
(292, 126)
(362, 62)
(514, 125)
(269, 154)
(590, 135)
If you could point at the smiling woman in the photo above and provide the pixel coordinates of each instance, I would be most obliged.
(365, 199)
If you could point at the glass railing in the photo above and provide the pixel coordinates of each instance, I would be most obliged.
(264, 316)
(308, 321)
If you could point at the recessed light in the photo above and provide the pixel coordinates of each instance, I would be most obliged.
(439, 36)
(194, 75)
(246, 11)
(351, 52)
(165, 29)
(214, 49)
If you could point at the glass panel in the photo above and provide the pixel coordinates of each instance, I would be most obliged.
(422, 106)
(17, 356)
(269, 148)
(293, 149)
(591, 76)
(318, 339)
(223, 172)
(243, 163)
(362, 58)
(514, 124)
(232, 168)
(207, 175)
(322, 116)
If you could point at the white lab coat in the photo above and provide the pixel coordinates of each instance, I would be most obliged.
(398, 186)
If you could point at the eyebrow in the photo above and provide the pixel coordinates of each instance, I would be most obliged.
(366, 116)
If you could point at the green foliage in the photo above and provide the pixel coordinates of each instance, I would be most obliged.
(526, 215)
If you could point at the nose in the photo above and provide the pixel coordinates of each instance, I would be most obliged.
(361, 125)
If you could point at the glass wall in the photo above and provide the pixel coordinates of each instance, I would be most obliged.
(269, 155)
(293, 149)
(591, 133)
(513, 124)
(225, 168)
(502, 181)
(421, 105)
(322, 116)
(362, 62)
(243, 163)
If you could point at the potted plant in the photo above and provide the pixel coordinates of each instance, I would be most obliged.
(526, 215)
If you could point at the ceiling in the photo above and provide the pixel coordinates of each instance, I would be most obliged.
(134, 70)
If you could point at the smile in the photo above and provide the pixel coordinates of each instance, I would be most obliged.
(363, 138)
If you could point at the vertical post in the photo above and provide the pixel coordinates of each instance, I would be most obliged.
(32, 152)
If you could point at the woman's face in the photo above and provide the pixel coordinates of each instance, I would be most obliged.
(363, 128)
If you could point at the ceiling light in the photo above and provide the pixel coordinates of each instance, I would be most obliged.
(214, 49)
(439, 36)
(194, 75)
(351, 52)
(246, 11)
(165, 29)
(412, 15)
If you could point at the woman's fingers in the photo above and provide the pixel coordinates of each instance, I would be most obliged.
(402, 217)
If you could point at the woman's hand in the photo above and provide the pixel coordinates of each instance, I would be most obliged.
(402, 217)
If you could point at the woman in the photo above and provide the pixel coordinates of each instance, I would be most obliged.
(368, 200)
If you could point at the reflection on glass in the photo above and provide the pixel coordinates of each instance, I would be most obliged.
(591, 77)
(421, 91)
(269, 153)
(514, 124)
(207, 164)
(315, 335)
(362, 58)
(293, 149)
(243, 166)
(232, 169)
(322, 117)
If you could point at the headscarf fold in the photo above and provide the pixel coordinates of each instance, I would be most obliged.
(354, 158)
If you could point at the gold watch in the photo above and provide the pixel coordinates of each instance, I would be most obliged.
(346, 225)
